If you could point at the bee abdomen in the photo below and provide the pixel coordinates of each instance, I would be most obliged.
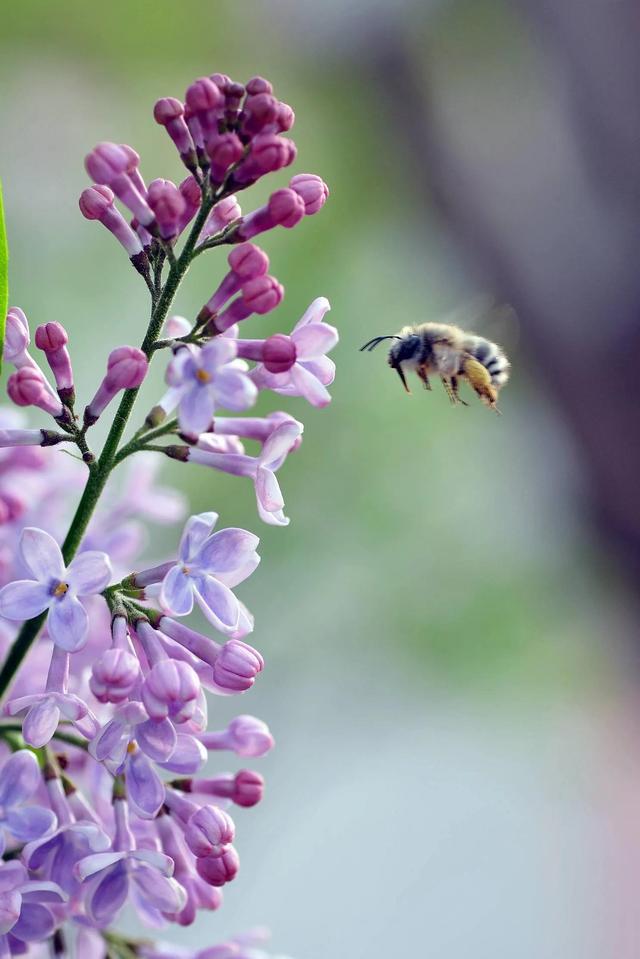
(491, 357)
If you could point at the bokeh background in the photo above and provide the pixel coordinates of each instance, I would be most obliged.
(448, 622)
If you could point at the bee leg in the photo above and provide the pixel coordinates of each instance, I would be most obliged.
(422, 373)
(449, 390)
(480, 379)
(454, 390)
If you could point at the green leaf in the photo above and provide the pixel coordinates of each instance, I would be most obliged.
(4, 277)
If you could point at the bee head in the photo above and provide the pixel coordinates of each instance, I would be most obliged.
(405, 349)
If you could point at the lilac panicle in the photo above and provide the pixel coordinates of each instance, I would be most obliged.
(120, 811)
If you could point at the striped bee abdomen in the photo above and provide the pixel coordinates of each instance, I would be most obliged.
(491, 357)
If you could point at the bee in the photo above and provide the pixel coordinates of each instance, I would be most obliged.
(450, 353)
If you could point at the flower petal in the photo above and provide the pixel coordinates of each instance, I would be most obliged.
(19, 778)
(41, 554)
(196, 530)
(36, 923)
(10, 904)
(30, 822)
(308, 386)
(234, 390)
(97, 862)
(162, 893)
(157, 738)
(235, 576)
(188, 757)
(176, 592)
(268, 491)
(68, 623)
(323, 368)
(41, 722)
(24, 599)
(279, 443)
(89, 573)
(196, 409)
(108, 895)
(217, 602)
(314, 339)
(226, 550)
(144, 787)
(216, 353)
(314, 312)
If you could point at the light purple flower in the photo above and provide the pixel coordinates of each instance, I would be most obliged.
(203, 380)
(55, 588)
(209, 564)
(19, 779)
(261, 469)
(311, 370)
(23, 913)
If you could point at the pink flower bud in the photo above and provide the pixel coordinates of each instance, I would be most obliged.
(218, 870)
(279, 353)
(114, 675)
(262, 294)
(223, 151)
(245, 736)
(126, 369)
(248, 261)
(269, 152)
(106, 162)
(96, 203)
(313, 190)
(114, 166)
(205, 103)
(223, 213)
(260, 111)
(169, 113)
(192, 196)
(27, 387)
(286, 208)
(248, 788)
(286, 117)
(168, 205)
(237, 666)
(208, 830)
(52, 338)
(171, 689)
(258, 85)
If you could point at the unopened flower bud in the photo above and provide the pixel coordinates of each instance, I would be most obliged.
(110, 164)
(126, 369)
(208, 831)
(171, 689)
(279, 353)
(114, 675)
(223, 213)
(258, 85)
(313, 190)
(96, 203)
(192, 196)
(269, 152)
(168, 205)
(218, 870)
(223, 151)
(259, 295)
(237, 666)
(284, 208)
(16, 337)
(246, 788)
(169, 113)
(245, 735)
(52, 339)
(27, 387)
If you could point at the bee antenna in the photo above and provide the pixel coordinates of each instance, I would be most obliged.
(371, 345)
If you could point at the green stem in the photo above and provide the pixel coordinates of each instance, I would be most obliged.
(102, 468)
(139, 441)
(9, 728)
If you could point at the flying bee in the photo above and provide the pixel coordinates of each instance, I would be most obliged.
(450, 353)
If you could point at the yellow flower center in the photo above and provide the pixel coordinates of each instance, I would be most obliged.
(60, 589)
(131, 748)
(203, 376)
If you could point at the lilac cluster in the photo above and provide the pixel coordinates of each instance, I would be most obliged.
(104, 795)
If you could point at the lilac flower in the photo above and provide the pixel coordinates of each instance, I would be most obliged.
(23, 913)
(209, 564)
(28, 387)
(126, 369)
(202, 380)
(245, 788)
(52, 339)
(235, 664)
(53, 857)
(19, 779)
(55, 588)
(261, 469)
(297, 365)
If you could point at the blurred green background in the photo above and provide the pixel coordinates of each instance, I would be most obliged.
(448, 667)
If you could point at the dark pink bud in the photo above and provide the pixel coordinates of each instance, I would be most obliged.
(204, 95)
(258, 85)
(169, 113)
(51, 337)
(248, 788)
(237, 666)
(313, 190)
(167, 109)
(126, 367)
(262, 294)
(192, 196)
(105, 162)
(221, 80)
(114, 675)
(248, 261)
(168, 205)
(218, 870)
(286, 117)
(208, 831)
(286, 208)
(260, 111)
(27, 387)
(279, 353)
(223, 151)
(95, 201)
